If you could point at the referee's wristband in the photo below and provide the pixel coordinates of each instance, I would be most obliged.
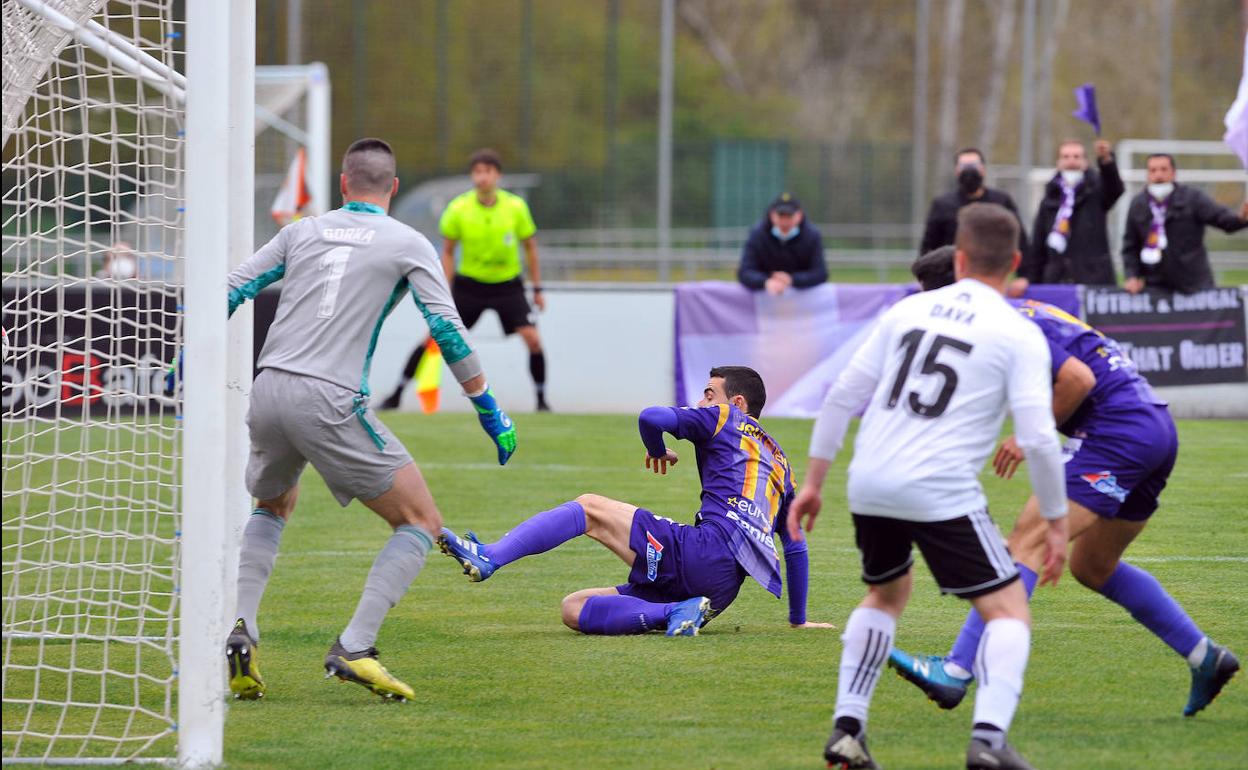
(536, 289)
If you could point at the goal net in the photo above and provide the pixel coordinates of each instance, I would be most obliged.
(93, 170)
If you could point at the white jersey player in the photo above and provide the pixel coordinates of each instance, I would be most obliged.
(938, 374)
(342, 274)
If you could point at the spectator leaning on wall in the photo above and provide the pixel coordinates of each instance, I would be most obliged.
(1163, 245)
(1069, 241)
(783, 250)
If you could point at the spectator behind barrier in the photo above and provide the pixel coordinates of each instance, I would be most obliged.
(782, 250)
(1163, 244)
(1070, 243)
(942, 217)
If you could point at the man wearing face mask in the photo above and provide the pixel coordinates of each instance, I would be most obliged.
(783, 250)
(1163, 245)
(1070, 243)
(942, 217)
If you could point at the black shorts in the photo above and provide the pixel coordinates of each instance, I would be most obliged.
(967, 555)
(472, 298)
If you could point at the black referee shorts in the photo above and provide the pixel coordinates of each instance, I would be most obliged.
(472, 298)
(967, 555)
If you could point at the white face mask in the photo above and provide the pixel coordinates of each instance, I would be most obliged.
(1161, 190)
(1072, 177)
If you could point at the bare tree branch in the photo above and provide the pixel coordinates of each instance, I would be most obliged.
(694, 16)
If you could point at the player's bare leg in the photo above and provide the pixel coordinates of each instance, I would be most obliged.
(868, 639)
(261, 537)
(537, 363)
(409, 509)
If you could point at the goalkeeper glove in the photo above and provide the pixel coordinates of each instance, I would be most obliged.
(173, 375)
(496, 424)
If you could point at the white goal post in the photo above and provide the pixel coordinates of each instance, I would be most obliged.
(128, 136)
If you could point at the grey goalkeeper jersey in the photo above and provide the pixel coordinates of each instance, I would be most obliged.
(342, 273)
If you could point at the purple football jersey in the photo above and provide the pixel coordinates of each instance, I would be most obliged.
(747, 484)
(1119, 385)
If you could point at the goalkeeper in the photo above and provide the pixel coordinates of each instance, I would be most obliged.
(343, 272)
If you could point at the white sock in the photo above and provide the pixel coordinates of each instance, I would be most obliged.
(956, 671)
(1197, 655)
(261, 537)
(398, 564)
(999, 667)
(868, 639)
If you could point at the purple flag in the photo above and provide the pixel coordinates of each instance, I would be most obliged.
(1086, 95)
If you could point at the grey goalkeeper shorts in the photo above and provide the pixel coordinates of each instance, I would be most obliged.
(294, 420)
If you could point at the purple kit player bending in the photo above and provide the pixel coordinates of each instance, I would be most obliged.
(681, 575)
(1120, 453)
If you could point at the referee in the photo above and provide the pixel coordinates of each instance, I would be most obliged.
(489, 223)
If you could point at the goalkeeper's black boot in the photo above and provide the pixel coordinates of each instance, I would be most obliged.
(240, 656)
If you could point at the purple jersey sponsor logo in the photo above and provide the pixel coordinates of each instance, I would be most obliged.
(654, 554)
(1107, 484)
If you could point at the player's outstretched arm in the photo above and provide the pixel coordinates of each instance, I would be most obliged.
(1036, 438)
(259, 270)
(652, 423)
(432, 295)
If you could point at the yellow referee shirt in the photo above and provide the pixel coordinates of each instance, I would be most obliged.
(489, 236)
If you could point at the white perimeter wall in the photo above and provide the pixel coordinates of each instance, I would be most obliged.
(612, 351)
(606, 351)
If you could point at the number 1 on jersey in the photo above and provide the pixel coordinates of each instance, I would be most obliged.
(336, 260)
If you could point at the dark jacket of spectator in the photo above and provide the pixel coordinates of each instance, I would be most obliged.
(942, 217)
(1087, 258)
(801, 257)
(1184, 265)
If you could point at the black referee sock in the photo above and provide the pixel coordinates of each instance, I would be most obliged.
(537, 368)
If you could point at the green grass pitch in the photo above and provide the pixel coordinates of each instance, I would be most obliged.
(501, 683)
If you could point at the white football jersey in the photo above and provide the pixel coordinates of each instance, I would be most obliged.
(941, 368)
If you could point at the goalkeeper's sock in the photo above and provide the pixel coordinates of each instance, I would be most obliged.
(1139, 593)
(539, 533)
(261, 537)
(618, 615)
(398, 564)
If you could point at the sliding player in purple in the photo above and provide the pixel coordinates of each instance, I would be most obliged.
(1121, 449)
(681, 575)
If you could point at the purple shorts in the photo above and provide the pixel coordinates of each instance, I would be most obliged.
(1117, 469)
(678, 561)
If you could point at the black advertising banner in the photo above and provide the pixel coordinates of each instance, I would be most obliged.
(1175, 339)
(98, 345)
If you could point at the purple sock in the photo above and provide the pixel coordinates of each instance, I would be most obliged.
(964, 647)
(1140, 594)
(539, 533)
(616, 615)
